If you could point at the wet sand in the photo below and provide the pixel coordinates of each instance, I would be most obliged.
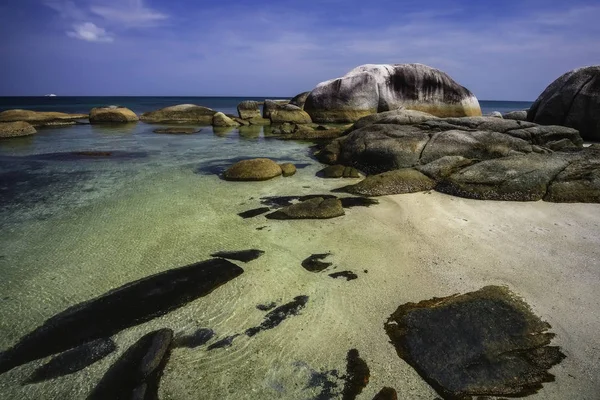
(414, 247)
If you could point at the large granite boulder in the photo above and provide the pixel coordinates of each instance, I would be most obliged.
(572, 100)
(299, 99)
(370, 89)
(249, 109)
(222, 120)
(112, 115)
(41, 118)
(16, 129)
(256, 169)
(520, 115)
(182, 113)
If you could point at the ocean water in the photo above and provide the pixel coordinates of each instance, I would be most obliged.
(75, 227)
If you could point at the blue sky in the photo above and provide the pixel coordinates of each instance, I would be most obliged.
(506, 50)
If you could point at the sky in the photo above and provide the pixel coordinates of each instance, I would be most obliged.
(500, 50)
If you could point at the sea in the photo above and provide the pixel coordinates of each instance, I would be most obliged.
(74, 227)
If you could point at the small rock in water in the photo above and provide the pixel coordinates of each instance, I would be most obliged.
(73, 360)
(196, 339)
(387, 393)
(136, 374)
(266, 307)
(225, 342)
(314, 263)
(254, 212)
(483, 343)
(357, 375)
(316, 208)
(349, 275)
(242, 255)
(278, 315)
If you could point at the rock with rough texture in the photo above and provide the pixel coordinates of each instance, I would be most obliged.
(483, 343)
(315, 208)
(387, 393)
(287, 169)
(249, 109)
(182, 113)
(289, 113)
(444, 166)
(579, 182)
(394, 117)
(306, 132)
(256, 169)
(177, 130)
(496, 114)
(222, 120)
(572, 100)
(16, 129)
(299, 99)
(339, 171)
(112, 115)
(41, 118)
(405, 180)
(369, 89)
(516, 115)
(270, 105)
(514, 178)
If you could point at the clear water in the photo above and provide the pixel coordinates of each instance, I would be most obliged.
(76, 227)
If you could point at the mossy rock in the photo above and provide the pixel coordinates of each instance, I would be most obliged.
(339, 171)
(16, 129)
(256, 169)
(222, 120)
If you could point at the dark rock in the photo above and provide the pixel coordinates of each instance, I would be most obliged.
(254, 212)
(516, 115)
(405, 180)
(370, 89)
(546, 135)
(515, 178)
(314, 263)
(486, 342)
(572, 100)
(136, 374)
(347, 202)
(316, 208)
(221, 120)
(177, 130)
(243, 255)
(120, 308)
(73, 360)
(387, 393)
(349, 275)
(330, 153)
(444, 167)
(339, 171)
(249, 109)
(196, 339)
(357, 375)
(579, 182)
(266, 307)
(287, 169)
(299, 99)
(278, 315)
(223, 343)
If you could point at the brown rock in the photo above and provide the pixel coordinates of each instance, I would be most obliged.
(405, 180)
(288, 169)
(256, 169)
(16, 129)
(112, 115)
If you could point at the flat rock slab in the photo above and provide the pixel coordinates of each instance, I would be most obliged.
(405, 180)
(483, 343)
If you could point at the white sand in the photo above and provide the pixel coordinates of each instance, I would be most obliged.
(414, 247)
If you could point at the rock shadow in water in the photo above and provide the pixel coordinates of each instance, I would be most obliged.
(483, 343)
(314, 263)
(357, 375)
(279, 314)
(196, 339)
(349, 275)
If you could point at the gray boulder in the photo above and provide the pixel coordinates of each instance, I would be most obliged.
(496, 114)
(370, 89)
(572, 100)
(444, 167)
(299, 99)
(280, 113)
(516, 115)
(249, 109)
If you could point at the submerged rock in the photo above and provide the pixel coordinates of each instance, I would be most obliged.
(196, 339)
(483, 343)
(120, 308)
(406, 180)
(16, 129)
(357, 375)
(315, 208)
(182, 113)
(314, 263)
(256, 169)
(223, 343)
(279, 314)
(369, 89)
(73, 360)
(243, 255)
(572, 100)
(112, 115)
(177, 130)
(136, 374)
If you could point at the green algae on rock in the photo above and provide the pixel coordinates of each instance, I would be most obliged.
(483, 343)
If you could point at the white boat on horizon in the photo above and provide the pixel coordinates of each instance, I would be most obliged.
(50, 95)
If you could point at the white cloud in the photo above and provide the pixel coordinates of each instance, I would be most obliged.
(88, 31)
(129, 14)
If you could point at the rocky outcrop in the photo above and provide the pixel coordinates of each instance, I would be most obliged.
(370, 89)
(16, 129)
(249, 109)
(299, 99)
(112, 115)
(40, 118)
(495, 114)
(222, 120)
(182, 113)
(405, 180)
(516, 115)
(315, 208)
(572, 100)
(256, 169)
(289, 131)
